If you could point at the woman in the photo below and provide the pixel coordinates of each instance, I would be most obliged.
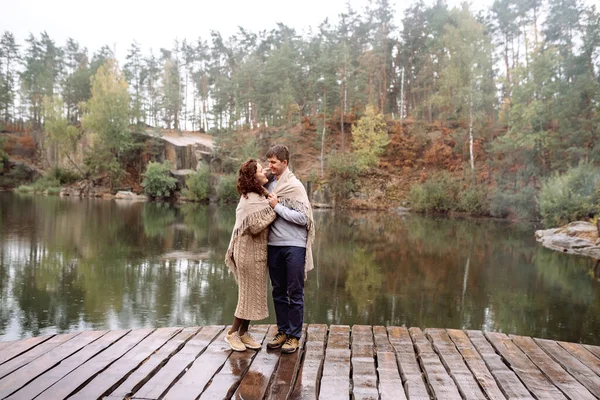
(247, 254)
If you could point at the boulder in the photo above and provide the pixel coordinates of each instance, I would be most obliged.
(578, 237)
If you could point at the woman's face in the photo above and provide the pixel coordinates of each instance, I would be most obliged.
(260, 175)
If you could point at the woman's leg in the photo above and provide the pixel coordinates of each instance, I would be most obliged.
(237, 322)
(244, 327)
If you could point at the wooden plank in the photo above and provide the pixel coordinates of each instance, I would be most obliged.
(552, 369)
(14, 349)
(56, 374)
(25, 358)
(116, 373)
(441, 384)
(453, 361)
(77, 378)
(4, 345)
(509, 383)
(380, 337)
(475, 363)
(16, 380)
(255, 383)
(287, 370)
(309, 375)
(180, 363)
(530, 375)
(364, 374)
(227, 380)
(583, 355)
(141, 375)
(336, 370)
(595, 350)
(390, 381)
(414, 383)
(573, 366)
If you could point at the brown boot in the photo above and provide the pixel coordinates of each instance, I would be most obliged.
(291, 345)
(277, 341)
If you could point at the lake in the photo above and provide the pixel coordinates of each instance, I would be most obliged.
(73, 264)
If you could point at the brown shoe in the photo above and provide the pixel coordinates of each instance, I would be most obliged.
(277, 341)
(249, 342)
(235, 342)
(290, 346)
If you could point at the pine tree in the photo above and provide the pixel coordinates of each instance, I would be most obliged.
(9, 55)
(135, 74)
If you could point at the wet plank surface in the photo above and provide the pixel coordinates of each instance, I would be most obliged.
(338, 361)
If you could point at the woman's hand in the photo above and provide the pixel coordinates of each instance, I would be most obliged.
(272, 200)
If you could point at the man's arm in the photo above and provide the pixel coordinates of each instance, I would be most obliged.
(288, 214)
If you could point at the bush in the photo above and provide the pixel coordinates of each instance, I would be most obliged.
(198, 184)
(157, 180)
(438, 194)
(444, 193)
(15, 176)
(571, 196)
(343, 172)
(474, 200)
(46, 183)
(64, 176)
(227, 189)
(521, 204)
(3, 155)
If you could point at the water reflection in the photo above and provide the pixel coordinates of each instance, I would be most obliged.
(69, 264)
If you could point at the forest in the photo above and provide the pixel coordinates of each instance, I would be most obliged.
(485, 108)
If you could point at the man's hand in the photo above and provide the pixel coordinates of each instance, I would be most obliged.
(272, 200)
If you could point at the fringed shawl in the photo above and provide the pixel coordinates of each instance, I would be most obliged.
(250, 211)
(291, 194)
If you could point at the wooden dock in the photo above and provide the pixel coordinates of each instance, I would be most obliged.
(335, 362)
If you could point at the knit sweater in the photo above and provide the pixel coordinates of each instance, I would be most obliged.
(289, 228)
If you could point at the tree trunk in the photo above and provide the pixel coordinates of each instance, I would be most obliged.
(323, 133)
(472, 157)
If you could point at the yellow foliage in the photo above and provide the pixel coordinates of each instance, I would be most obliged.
(369, 139)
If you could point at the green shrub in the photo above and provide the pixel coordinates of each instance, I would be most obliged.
(15, 177)
(438, 194)
(474, 200)
(227, 189)
(157, 180)
(64, 176)
(521, 204)
(3, 155)
(24, 189)
(343, 173)
(45, 183)
(444, 193)
(571, 196)
(198, 184)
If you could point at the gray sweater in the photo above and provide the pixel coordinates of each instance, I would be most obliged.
(289, 228)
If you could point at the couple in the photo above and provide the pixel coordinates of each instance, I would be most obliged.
(273, 230)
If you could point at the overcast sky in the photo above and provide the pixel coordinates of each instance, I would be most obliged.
(156, 24)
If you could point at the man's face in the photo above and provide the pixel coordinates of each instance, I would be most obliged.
(276, 166)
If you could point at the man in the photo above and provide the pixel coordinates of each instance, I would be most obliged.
(289, 249)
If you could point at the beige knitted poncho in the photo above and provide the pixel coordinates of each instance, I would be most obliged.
(246, 256)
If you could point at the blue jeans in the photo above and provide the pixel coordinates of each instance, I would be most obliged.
(286, 269)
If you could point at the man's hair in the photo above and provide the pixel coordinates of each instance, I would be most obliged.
(280, 151)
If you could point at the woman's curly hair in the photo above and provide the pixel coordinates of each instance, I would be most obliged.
(247, 181)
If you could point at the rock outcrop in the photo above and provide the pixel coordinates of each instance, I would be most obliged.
(575, 238)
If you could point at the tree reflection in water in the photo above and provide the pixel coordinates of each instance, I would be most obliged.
(70, 264)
